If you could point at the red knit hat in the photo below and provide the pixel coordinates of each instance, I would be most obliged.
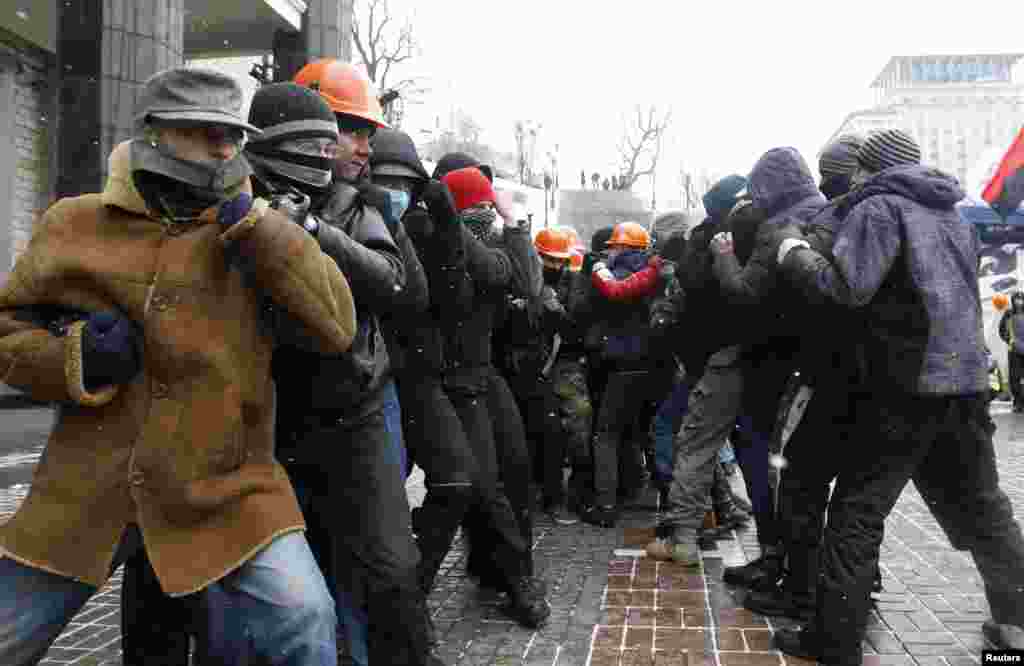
(469, 186)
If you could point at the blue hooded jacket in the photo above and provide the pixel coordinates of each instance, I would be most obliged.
(905, 257)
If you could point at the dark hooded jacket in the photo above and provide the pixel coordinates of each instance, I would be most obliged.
(395, 147)
(783, 191)
(907, 260)
(356, 235)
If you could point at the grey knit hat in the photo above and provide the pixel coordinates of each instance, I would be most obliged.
(888, 148)
(840, 157)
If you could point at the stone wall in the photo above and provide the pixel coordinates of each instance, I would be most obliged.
(589, 210)
(26, 121)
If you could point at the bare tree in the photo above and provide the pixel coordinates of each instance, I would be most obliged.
(640, 146)
(382, 43)
(595, 179)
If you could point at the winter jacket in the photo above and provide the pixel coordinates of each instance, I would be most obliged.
(905, 258)
(526, 335)
(185, 449)
(624, 327)
(1011, 329)
(441, 249)
(632, 288)
(356, 236)
(784, 192)
(508, 266)
(413, 300)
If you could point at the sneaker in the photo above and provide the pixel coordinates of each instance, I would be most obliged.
(527, 604)
(1003, 636)
(780, 601)
(796, 642)
(761, 573)
(602, 516)
(685, 552)
(560, 514)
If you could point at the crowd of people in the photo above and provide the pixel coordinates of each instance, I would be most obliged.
(262, 324)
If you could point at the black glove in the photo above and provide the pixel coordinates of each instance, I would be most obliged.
(418, 225)
(234, 210)
(111, 350)
(782, 233)
(589, 259)
(440, 203)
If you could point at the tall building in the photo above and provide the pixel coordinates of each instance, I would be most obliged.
(957, 107)
(70, 71)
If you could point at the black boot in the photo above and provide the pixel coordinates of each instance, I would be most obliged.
(797, 642)
(527, 604)
(762, 573)
(795, 596)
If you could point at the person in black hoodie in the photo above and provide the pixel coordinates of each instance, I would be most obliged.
(459, 463)
(1011, 330)
(332, 430)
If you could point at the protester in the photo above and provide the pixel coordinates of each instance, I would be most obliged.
(902, 247)
(1011, 330)
(143, 310)
(332, 422)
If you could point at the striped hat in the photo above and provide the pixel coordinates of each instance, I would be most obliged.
(840, 157)
(888, 148)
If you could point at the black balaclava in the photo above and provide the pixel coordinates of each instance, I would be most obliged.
(287, 113)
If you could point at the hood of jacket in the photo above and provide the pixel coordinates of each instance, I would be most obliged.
(396, 147)
(925, 185)
(780, 180)
(628, 262)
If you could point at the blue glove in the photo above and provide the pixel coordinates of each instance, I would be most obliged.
(234, 210)
(111, 350)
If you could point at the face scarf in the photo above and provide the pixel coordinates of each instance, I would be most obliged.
(179, 190)
(400, 201)
(479, 222)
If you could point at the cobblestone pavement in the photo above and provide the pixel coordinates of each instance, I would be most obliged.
(611, 606)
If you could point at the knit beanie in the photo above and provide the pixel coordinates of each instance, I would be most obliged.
(468, 187)
(288, 112)
(840, 157)
(888, 148)
(722, 196)
(453, 161)
(599, 241)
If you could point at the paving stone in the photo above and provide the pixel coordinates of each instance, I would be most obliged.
(749, 659)
(885, 642)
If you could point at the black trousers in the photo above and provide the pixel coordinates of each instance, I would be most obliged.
(1015, 362)
(493, 420)
(448, 433)
(944, 444)
(359, 527)
(546, 438)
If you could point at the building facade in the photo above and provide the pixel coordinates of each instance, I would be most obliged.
(957, 107)
(70, 72)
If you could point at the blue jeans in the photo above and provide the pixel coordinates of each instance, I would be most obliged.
(667, 422)
(277, 602)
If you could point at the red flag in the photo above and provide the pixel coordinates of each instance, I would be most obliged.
(1005, 191)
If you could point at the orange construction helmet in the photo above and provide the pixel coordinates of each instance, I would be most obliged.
(554, 243)
(345, 89)
(629, 234)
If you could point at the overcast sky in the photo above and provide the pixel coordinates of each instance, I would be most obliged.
(741, 77)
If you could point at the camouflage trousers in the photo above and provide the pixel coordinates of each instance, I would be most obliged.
(569, 381)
